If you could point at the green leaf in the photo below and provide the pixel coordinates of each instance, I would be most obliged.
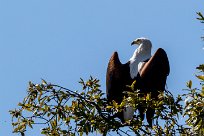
(81, 133)
(29, 124)
(38, 87)
(30, 84)
(40, 96)
(68, 119)
(109, 107)
(148, 97)
(20, 104)
(201, 77)
(15, 124)
(200, 16)
(202, 92)
(115, 104)
(200, 67)
(189, 84)
(132, 85)
(58, 117)
(53, 123)
(43, 101)
(44, 82)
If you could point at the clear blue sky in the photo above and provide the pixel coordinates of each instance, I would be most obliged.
(61, 41)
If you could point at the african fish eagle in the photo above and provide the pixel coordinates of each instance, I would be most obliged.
(149, 72)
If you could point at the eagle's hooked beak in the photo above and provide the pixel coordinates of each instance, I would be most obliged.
(135, 42)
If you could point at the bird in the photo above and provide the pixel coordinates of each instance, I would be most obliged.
(150, 73)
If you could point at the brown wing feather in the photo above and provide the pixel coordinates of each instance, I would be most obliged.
(113, 77)
(117, 77)
(155, 71)
(153, 78)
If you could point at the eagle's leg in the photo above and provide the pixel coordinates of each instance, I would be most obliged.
(141, 112)
(149, 115)
(120, 116)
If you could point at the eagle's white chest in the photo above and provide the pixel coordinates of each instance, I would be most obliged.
(135, 67)
(141, 54)
(137, 61)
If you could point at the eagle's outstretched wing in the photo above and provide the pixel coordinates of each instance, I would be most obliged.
(155, 71)
(117, 77)
(153, 78)
(113, 79)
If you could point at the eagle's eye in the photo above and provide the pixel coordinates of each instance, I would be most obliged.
(139, 40)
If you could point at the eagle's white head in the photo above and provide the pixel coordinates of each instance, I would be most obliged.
(141, 54)
(143, 43)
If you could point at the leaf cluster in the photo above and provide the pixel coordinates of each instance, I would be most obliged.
(194, 104)
(65, 112)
